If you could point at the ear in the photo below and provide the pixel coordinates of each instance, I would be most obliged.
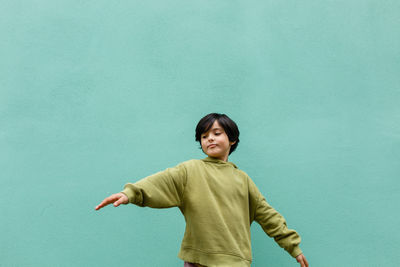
(232, 143)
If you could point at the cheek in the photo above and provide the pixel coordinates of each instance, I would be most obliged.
(202, 145)
(224, 140)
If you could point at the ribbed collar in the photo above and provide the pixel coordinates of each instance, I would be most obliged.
(218, 161)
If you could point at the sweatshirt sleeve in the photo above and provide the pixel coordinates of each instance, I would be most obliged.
(163, 189)
(273, 223)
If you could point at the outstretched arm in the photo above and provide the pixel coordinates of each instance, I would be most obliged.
(160, 190)
(273, 223)
(117, 199)
(302, 260)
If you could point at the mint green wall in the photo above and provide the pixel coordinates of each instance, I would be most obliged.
(94, 94)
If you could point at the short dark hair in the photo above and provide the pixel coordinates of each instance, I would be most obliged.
(230, 128)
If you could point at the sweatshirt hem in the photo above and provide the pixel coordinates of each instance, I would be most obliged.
(212, 258)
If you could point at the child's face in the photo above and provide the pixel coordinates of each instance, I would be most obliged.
(215, 143)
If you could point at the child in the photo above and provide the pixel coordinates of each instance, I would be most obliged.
(218, 201)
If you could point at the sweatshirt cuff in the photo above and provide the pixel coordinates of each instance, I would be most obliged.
(129, 193)
(296, 252)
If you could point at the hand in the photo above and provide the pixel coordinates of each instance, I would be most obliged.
(117, 199)
(302, 260)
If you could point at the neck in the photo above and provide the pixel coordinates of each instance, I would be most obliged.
(225, 158)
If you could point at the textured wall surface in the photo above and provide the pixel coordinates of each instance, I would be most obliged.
(95, 94)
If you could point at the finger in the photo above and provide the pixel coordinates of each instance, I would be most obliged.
(107, 201)
(305, 261)
(118, 202)
(301, 262)
(123, 199)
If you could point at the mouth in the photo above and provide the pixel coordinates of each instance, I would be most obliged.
(212, 145)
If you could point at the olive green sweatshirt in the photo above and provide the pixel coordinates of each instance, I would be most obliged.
(219, 203)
